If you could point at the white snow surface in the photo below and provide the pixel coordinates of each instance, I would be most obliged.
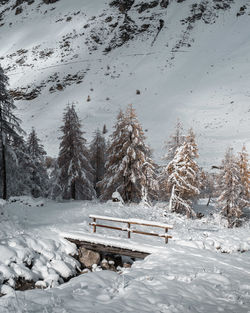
(204, 268)
(206, 85)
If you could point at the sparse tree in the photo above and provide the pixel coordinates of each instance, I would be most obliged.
(37, 167)
(9, 129)
(98, 158)
(76, 172)
(175, 141)
(231, 197)
(183, 177)
(244, 173)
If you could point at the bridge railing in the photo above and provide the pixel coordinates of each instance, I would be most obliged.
(129, 223)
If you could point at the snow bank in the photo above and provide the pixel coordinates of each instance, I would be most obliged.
(34, 259)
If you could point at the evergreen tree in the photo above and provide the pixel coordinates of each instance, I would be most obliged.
(231, 197)
(9, 129)
(244, 173)
(37, 168)
(183, 174)
(175, 142)
(129, 169)
(18, 166)
(98, 158)
(76, 173)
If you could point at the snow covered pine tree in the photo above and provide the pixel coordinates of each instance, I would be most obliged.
(9, 129)
(129, 168)
(76, 172)
(37, 168)
(231, 198)
(175, 141)
(183, 177)
(97, 153)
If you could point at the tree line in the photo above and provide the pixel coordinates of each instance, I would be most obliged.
(123, 164)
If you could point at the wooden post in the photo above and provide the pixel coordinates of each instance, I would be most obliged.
(94, 226)
(129, 230)
(166, 238)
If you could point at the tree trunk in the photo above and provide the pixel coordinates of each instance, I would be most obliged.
(4, 172)
(73, 190)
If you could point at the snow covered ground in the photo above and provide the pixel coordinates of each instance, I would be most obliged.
(204, 268)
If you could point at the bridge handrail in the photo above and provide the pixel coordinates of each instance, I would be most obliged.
(130, 222)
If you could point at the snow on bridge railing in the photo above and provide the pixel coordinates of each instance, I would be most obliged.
(129, 222)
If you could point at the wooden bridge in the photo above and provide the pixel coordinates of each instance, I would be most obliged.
(111, 245)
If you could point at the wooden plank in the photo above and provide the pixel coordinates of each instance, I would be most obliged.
(131, 221)
(101, 248)
(107, 226)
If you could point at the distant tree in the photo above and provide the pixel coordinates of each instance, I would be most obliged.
(207, 186)
(98, 158)
(37, 167)
(55, 188)
(76, 172)
(244, 173)
(231, 198)
(183, 174)
(129, 168)
(9, 128)
(104, 130)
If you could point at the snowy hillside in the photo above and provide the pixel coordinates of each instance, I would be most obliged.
(189, 59)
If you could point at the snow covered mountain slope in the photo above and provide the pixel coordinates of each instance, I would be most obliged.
(188, 58)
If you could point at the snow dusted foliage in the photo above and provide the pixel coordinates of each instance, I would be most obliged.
(9, 129)
(76, 172)
(183, 173)
(37, 168)
(129, 168)
(175, 141)
(18, 166)
(98, 158)
(244, 173)
(232, 195)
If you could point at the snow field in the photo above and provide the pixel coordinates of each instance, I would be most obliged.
(190, 274)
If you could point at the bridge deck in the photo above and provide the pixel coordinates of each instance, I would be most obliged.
(119, 246)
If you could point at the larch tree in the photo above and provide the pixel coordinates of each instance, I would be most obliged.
(129, 168)
(175, 141)
(9, 129)
(183, 174)
(231, 197)
(244, 173)
(37, 167)
(98, 158)
(75, 170)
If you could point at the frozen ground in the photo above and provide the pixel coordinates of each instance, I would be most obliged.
(204, 268)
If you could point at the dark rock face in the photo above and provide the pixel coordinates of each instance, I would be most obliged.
(123, 5)
(147, 5)
(49, 1)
